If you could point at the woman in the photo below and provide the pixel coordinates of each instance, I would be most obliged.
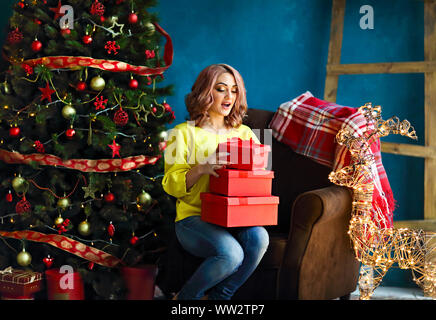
(216, 104)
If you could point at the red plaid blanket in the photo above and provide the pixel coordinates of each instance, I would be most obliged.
(309, 126)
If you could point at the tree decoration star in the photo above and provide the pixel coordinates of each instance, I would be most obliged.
(145, 115)
(115, 149)
(89, 192)
(57, 10)
(115, 24)
(46, 93)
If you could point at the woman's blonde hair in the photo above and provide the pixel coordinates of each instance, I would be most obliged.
(200, 99)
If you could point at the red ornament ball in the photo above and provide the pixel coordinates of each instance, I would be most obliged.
(14, 132)
(133, 240)
(133, 18)
(111, 229)
(97, 8)
(23, 206)
(154, 109)
(167, 107)
(65, 32)
(81, 86)
(133, 83)
(36, 45)
(109, 197)
(70, 133)
(15, 36)
(9, 196)
(48, 261)
(121, 117)
(87, 39)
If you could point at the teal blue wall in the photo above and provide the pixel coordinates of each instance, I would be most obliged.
(280, 47)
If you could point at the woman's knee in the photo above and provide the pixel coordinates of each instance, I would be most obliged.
(257, 239)
(262, 238)
(232, 253)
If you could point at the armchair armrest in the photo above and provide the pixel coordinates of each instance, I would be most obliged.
(313, 207)
(330, 202)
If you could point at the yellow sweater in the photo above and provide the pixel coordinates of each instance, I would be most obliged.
(188, 146)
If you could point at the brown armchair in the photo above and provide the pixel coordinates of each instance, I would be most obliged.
(310, 253)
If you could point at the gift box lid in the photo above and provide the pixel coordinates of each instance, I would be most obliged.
(19, 276)
(237, 142)
(234, 173)
(236, 201)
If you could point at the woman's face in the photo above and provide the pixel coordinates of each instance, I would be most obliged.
(224, 92)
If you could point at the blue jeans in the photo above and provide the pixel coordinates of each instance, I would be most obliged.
(232, 254)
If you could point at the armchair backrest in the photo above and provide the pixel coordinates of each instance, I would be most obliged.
(293, 173)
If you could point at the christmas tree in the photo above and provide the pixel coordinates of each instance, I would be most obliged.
(82, 131)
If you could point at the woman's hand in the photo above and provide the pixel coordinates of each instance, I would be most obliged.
(209, 168)
(215, 162)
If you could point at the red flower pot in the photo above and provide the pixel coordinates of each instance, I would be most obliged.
(140, 282)
(64, 286)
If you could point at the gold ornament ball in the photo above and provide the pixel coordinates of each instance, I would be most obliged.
(58, 221)
(144, 199)
(150, 29)
(84, 228)
(19, 184)
(24, 258)
(97, 83)
(68, 112)
(64, 203)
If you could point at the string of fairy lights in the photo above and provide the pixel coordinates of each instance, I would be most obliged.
(376, 247)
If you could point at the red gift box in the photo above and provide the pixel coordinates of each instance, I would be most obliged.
(64, 286)
(244, 183)
(140, 281)
(245, 154)
(20, 283)
(239, 211)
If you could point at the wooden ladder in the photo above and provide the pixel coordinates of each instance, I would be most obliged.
(428, 67)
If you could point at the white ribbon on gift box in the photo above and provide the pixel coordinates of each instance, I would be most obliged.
(7, 270)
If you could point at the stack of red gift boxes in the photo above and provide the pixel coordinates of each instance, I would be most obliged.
(241, 195)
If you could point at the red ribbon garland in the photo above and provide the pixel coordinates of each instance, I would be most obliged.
(65, 62)
(83, 165)
(67, 244)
